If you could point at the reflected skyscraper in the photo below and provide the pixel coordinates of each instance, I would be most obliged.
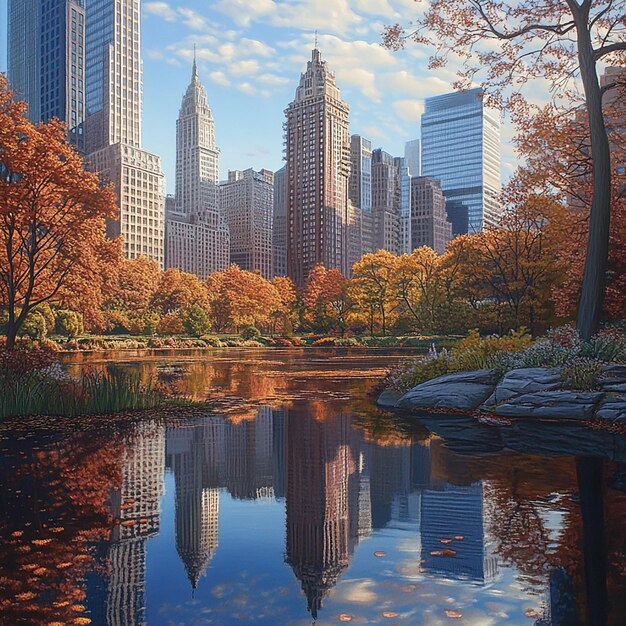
(195, 455)
(137, 507)
(457, 513)
(320, 463)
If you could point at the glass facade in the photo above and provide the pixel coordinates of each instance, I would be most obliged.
(461, 148)
(99, 35)
(46, 64)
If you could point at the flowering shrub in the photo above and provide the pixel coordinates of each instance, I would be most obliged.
(324, 341)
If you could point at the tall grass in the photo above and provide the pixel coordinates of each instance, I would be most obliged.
(95, 393)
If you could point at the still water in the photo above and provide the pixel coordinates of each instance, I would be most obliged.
(296, 501)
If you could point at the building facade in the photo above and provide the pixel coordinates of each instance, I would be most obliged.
(113, 93)
(429, 224)
(461, 148)
(413, 156)
(279, 224)
(360, 188)
(247, 200)
(196, 239)
(404, 204)
(46, 60)
(317, 152)
(385, 202)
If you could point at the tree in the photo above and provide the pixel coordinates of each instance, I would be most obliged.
(196, 321)
(372, 286)
(52, 214)
(540, 39)
(178, 290)
(69, 323)
(326, 299)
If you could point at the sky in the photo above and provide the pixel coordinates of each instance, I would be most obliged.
(250, 57)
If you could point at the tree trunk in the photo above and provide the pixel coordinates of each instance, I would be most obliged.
(11, 335)
(596, 261)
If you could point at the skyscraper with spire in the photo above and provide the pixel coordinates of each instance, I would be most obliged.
(197, 238)
(317, 152)
(113, 90)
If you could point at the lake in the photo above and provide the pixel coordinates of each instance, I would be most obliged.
(296, 501)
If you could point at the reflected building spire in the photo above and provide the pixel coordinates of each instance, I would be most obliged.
(320, 463)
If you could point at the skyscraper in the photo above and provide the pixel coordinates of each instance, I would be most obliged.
(413, 156)
(197, 239)
(404, 203)
(279, 225)
(461, 147)
(247, 201)
(317, 151)
(360, 187)
(113, 91)
(46, 60)
(429, 224)
(385, 202)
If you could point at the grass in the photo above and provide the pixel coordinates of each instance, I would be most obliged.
(94, 394)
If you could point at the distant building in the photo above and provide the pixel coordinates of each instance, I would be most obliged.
(279, 226)
(404, 204)
(197, 238)
(317, 152)
(385, 202)
(247, 202)
(46, 60)
(355, 235)
(429, 224)
(360, 188)
(113, 93)
(413, 157)
(461, 148)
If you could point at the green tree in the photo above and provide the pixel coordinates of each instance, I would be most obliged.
(69, 323)
(196, 321)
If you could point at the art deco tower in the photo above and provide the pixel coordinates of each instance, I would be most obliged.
(317, 151)
(197, 239)
(113, 82)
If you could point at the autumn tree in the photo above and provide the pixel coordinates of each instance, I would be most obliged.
(52, 214)
(287, 305)
(372, 287)
(327, 299)
(177, 291)
(516, 41)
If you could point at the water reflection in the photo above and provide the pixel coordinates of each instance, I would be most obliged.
(317, 508)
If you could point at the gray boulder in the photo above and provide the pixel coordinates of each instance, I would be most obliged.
(612, 408)
(523, 381)
(614, 378)
(551, 405)
(389, 398)
(464, 391)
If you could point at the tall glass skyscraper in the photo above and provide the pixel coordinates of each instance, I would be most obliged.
(46, 60)
(461, 147)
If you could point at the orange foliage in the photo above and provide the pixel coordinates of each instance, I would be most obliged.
(52, 216)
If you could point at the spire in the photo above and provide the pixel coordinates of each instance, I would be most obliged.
(194, 70)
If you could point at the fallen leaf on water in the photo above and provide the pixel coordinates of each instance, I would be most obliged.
(459, 537)
(532, 613)
(41, 542)
(17, 533)
(408, 588)
(444, 552)
(452, 614)
(60, 605)
(445, 541)
(40, 571)
(344, 617)
(64, 565)
(57, 529)
(81, 620)
(27, 595)
(380, 553)
(78, 608)
(390, 614)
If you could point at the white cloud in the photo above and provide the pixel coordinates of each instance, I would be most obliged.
(219, 78)
(160, 9)
(247, 88)
(409, 110)
(243, 12)
(249, 67)
(273, 80)
(362, 79)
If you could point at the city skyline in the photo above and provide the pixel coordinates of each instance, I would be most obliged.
(238, 62)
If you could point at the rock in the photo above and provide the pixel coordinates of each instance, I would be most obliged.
(551, 405)
(389, 398)
(464, 391)
(614, 373)
(522, 381)
(612, 408)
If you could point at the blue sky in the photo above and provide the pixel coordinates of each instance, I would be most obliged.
(250, 56)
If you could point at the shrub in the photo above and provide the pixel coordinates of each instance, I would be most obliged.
(69, 324)
(211, 341)
(324, 342)
(608, 345)
(581, 373)
(117, 322)
(34, 326)
(196, 321)
(347, 341)
(250, 332)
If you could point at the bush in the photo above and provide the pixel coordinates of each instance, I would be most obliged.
(408, 375)
(34, 326)
(69, 324)
(211, 341)
(608, 345)
(581, 373)
(250, 332)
